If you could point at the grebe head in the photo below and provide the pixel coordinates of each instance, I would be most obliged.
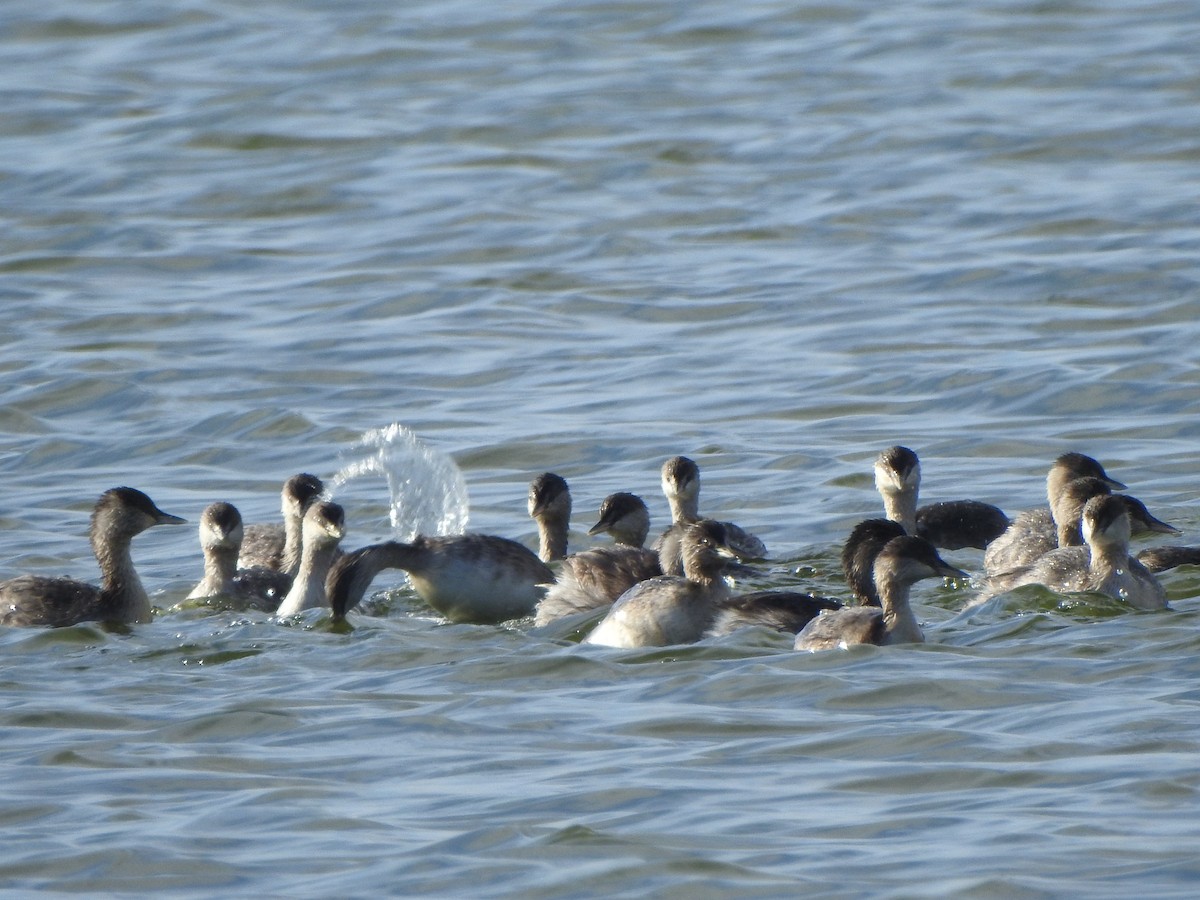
(625, 517)
(549, 497)
(221, 527)
(1070, 466)
(1141, 520)
(324, 524)
(681, 479)
(706, 550)
(298, 493)
(1106, 523)
(123, 512)
(897, 471)
(908, 559)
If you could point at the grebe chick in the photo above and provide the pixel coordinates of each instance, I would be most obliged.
(478, 578)
(119, 515)
(1035, 531)
(593, 579)
(279, 546)
(901, 564)
(1103, 565)
(221, 532)
(670, 609)
(323, 527)
(785, 611)
(859, 552)
(550, 507)
(681, 486)
(1160, 559)
(950, 525)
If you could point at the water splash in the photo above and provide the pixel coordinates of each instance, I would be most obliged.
(427, 489)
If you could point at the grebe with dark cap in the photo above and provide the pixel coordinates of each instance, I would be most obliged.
(323, 528)
(681, 486)
(279, 546)
(593, 579)
(951, 524)
(221, 533)
(119, 515)
(670, 609)
(1102, 565)
(1034, 531)
(550, 508)
(902, 562)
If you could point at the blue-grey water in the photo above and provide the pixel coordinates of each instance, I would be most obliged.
(243, 239)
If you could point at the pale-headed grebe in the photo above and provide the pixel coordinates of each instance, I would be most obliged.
(592, 579)
(221, 534)
(119, 515)
(681, 486)
(951, 524)
(1103, 565)
(859, 553)
(279, 546)
(670, 609)
(1034, 531)
(550, 508)
(323, 527)
(902, 562)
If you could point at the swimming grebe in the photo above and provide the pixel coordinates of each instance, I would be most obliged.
(859, 553)
(119, 515)
(594, 578)
(901, 564)
(480, 578)
(550, 507)
(1103, 565)
(785, 611)
(1160, 559)
(681, 486)
(950, 525)
(221, 533)
(278, 546)
(1034, 531)
(323, 527)
(670, 609)
(1064, 527)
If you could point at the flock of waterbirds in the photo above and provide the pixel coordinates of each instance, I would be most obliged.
(676, 592)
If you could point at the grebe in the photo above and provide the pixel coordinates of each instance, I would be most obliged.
(1160, 559)
(221, 533)
(950, 525)
(1103, 565)
(550, 508)
(1034, 531)
(670, 609)
(278, 546)
(323, 527)
(119, 515)
(480, 578)
(859, 553)
(902, 562)
(681, 486)
(1064, 528)
(593, 579)
(785, 611)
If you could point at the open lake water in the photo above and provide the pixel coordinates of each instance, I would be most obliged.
(247, 239)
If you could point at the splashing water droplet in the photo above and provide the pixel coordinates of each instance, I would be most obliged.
(427, 490)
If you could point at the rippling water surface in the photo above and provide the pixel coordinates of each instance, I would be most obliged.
(242, 240)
